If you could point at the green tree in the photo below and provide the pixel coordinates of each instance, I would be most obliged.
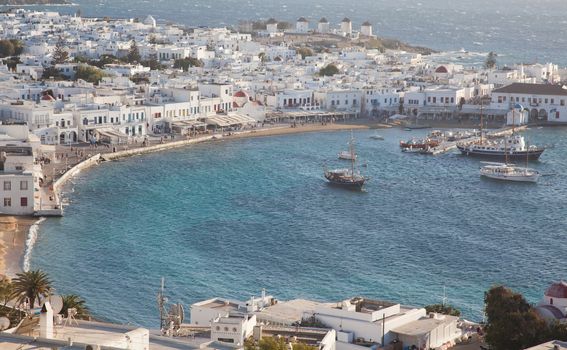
(134, 53)
(443, 309)
(74, 301)
(153, 63)
(490, 62)
(6, 291)
(303, 346)
(305, 52)
(18, 46)
(262, 57)
(60, 55)
(186, 63)
(32, 285)
(6, 48)
(52, 72)
(512, 324)
(89, 73)
(329, 70)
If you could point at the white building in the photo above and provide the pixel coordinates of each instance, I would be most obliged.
(545, 102)
(19, 175)
(233, 329)
(339, 100)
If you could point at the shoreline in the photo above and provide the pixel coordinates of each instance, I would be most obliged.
(16, 241)
(14, 236)
(18, 233)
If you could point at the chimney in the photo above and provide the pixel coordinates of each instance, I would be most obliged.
(46, 321)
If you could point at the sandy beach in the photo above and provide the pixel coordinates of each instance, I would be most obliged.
(13, 235)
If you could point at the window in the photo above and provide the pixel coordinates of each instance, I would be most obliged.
(546, 100)
(19, 168)
(562, 102)
(552, 101)
(24, 202)
(23, 185)
(7, 202)
(7, 185)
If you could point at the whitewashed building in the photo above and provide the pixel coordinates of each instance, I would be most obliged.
(545, 102)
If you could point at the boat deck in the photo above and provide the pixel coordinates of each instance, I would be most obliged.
(447, 146)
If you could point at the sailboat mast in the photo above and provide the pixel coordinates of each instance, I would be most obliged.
(481, 121)
(352, 154)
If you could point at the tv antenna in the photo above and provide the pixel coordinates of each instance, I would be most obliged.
(71, 313)
(161, 301)
(170, 320)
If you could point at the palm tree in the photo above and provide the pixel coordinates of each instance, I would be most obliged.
(6, 291)
(74, 301)
(32, 285)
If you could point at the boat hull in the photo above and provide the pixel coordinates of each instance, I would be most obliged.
(526, 178)
(345, 182)
(500, 155)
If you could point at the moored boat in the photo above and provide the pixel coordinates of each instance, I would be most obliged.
(345, 178)
(346, 155)
(514, 148)
(349, 178)
(415, 145)
(509, 172)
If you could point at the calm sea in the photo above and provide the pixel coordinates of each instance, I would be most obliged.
(518, 30)
(229, 218)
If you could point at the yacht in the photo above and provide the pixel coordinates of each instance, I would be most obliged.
(509, 172)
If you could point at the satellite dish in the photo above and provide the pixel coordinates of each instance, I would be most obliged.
(56, 302)
(4, 323)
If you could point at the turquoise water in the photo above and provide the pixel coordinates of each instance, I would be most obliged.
(229, 218)
(518, 30)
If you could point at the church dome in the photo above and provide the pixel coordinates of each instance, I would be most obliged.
(441, 69)
(557, 290)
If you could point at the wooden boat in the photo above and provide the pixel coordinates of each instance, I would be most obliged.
(348, 178)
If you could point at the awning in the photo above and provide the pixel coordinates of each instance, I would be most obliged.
(229, 120)
(112, 133)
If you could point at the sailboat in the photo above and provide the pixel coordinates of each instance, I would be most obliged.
(509, 172)
(350, 154)
(347, 177)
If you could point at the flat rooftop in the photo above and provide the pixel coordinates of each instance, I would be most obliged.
(368, 306)
(423, 326)
(219, 304)
(288, 312)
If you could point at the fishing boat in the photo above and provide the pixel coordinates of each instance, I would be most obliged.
(416, 145)
(509, 172)
(347, 177)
